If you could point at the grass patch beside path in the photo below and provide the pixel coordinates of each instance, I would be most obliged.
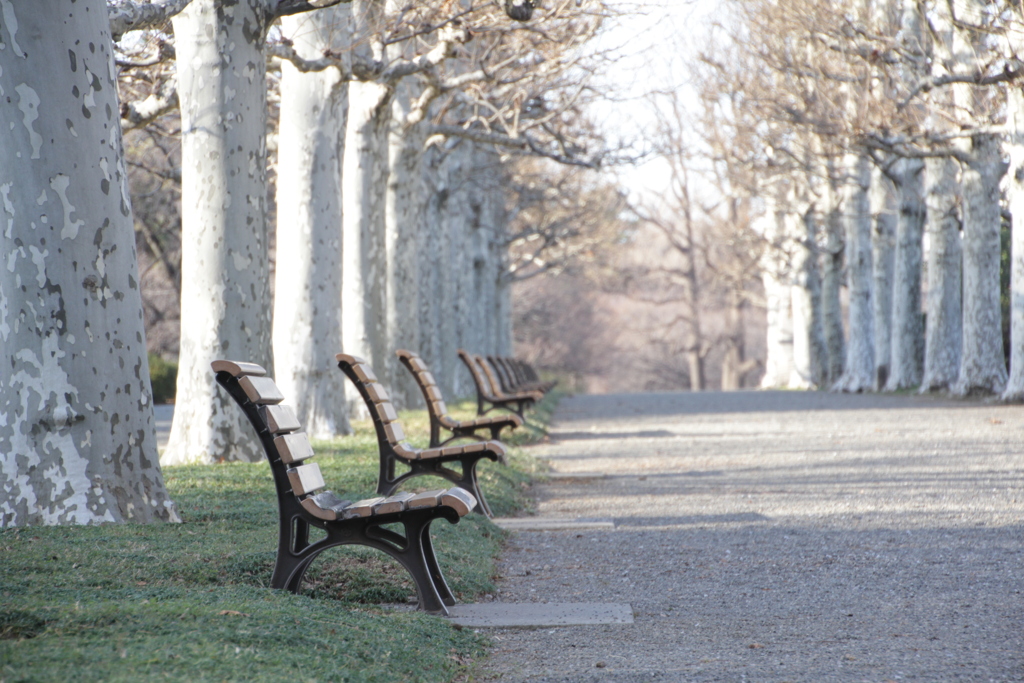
(191, 601)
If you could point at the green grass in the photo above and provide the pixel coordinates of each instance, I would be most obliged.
(191, 601)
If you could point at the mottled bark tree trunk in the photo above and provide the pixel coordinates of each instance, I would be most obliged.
(883, 250)
(405, 214)
(907, 320)
(831, 304)
(943, 328)
(982, 365)
(77, 438)
(859, 370)
(225, 295)
(307, 292)
(364, 186)
(778, 299)
(1015, 198)
(809, 349)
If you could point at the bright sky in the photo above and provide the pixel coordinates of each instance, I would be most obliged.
(656, 39)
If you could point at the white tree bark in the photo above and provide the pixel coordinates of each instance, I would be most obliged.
(831, 303)
(364, 186)
(982, 365)
(944, 323)
(405, 214)
(225, 297)
(809, 350)
(307, 292)
(907, 322)
(778, 299)
(77, 438)
(943, 329)
(1015, 198)
(883, 250)
(859, 370)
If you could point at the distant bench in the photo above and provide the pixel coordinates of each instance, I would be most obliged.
(394, 450)
(303, 501)
(438, 411)
(501, 388)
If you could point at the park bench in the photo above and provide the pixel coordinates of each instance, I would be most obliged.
(394, 450)
(303, 501)
(488, 388)
(438, 411)
(517, 376)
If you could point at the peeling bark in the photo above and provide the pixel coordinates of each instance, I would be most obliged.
(364, 186)
(883, 249)
(907, 320)
(809, 349)
(1015, 198)
(307, 292)
(943, 328)
(225, 298)
(831, 306)
(859, 370)
(77, 437)
(982, 365)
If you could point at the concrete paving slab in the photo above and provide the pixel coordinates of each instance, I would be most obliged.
(552, 524)
(540, 614)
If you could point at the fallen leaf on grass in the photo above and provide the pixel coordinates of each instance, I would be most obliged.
(755, 646)
(233, 613)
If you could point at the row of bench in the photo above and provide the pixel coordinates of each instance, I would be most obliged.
(304, 501)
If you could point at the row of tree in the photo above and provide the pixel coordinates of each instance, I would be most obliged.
(872, 139)
(397, 123)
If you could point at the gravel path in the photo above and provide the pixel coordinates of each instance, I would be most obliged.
(777, 536)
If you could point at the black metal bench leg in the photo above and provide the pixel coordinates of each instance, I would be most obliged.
(414, 559)
(437, 578)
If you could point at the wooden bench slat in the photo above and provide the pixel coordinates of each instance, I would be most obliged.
(387, 412)
(395, 433)
(377, 392)
(461, 500)
(428, 379)
(261, 390)
(351, 360)
(395, 503)
(434, 393)
(293, 447)
(404, 450)
(238, 368)
(280, 419)
(325, 505)
(362, 508)
(306, 479)
(417, 364)
(364, 372)
(427, 499)
(440, 408)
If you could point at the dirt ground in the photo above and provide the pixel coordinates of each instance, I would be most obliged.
(777, 536)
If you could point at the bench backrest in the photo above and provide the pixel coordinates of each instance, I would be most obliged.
(425, 379)
(378, 402)
(483, 386)
(286, 446)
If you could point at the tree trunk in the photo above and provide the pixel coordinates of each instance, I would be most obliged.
(735, 365)
(831, 304)
(778, 299)
(307, 292)
(406, 198)
(883, 243)
(1015, 198)
(982, 365)
(225, 294)
(77, 438)
(943, 329)
(859, 373)
(364, 186)
(809, 349)
(907, 321)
